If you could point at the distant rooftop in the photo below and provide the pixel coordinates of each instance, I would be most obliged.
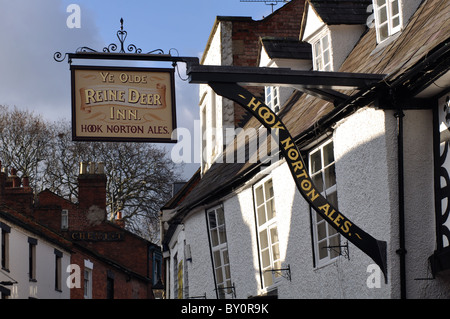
(342, 11)
(286, 48)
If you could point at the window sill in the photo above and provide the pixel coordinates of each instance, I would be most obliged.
(382, 45)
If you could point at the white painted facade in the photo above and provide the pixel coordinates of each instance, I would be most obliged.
(43, 285)
(365, 164)
(366, 161)
(216, 114)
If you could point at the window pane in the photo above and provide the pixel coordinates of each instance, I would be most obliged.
(274, 235)
(265, 256)
(269, 189)
(332, 198)
(259, 196)
(325, 43)
(220, 216)
(217, 260)
(334, 241)
(317, 48)
(319, 64)
(212, 219)
(395, 8)
(326, 57)
(316, 162)
(318, 182)
(270, 210)
(227, 272)
(261, 215)
(328, 154)
(330, 177)
(264, 241)
(318, 218)
(331, 230)
(382, 15)
(323, 250)
(226, 260)
(396, 22)
(381, 3)
(321, 230)
(384, 32)
(214, 237)
(222, 234)
(219, 275)
(276, 253)
(268, 278)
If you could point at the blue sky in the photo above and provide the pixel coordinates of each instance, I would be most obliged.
(33, 30)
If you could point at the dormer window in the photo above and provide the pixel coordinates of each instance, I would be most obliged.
(322, 54)
(387, 18)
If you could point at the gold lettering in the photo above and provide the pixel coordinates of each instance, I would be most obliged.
(133, 96)
(313, 195)
(346, 227)
(297, 165)
(338, 219)
(287, 143)
(98, 96)
(89, 96)
(302, 174)
(112, 95)
(325, 208)
(132, 113)
(121, 113)
(253, 105)
(121, 97)
(157, 99)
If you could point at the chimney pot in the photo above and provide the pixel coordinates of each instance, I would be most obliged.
(83, 167)
(91, 167)
(25, 181)
(101, 168)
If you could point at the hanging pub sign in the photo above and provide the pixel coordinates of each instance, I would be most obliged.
(123, 104)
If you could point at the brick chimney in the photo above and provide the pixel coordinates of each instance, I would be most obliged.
(15, 193)
(92, 186)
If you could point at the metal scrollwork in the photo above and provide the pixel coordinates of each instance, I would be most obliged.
(111, 48)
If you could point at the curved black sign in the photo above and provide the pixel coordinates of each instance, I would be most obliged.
(374, 248)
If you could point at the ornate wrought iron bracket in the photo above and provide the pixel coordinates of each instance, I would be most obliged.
(283, 272)
(112, 48)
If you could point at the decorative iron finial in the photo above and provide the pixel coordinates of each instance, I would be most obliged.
(112, 48)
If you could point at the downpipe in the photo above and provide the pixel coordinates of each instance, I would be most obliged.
(401, 201)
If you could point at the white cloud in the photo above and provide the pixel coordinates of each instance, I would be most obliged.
(32, 32)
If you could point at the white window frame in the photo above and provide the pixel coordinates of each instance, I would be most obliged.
(266, 221)
(65, 219)
(388, 16)
(87, 279)
(320, 51)
(324, 235)
(272, 97)
(219, 251)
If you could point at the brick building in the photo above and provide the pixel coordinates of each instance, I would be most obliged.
(106, 261)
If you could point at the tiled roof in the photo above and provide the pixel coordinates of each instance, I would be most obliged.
(428, 29)
(286, 48)
(342, 11)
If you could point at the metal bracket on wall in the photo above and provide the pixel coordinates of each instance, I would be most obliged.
(342, 250)
(283, 272)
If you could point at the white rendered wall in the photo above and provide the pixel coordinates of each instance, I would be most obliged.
(44, 287)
